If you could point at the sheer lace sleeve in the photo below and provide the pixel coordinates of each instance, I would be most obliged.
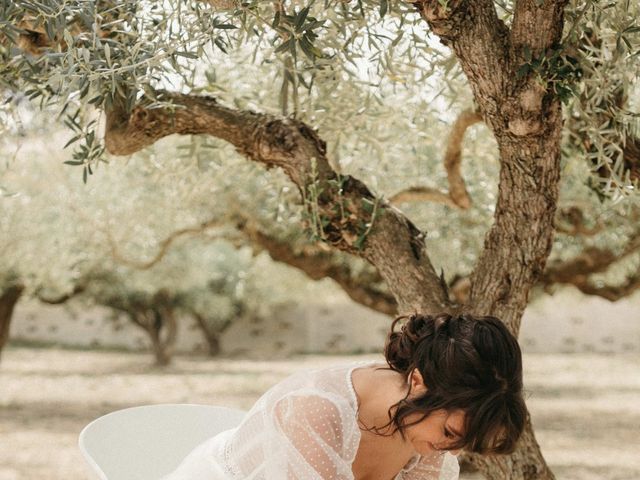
(436, 467)
(315, 433)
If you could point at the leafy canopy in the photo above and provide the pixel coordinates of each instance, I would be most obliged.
(368, 74)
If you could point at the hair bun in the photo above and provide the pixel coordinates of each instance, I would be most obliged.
(400, 347)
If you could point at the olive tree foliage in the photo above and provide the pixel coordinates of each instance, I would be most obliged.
(77, 53)
(353, 71)
(365, 112)
(150, 240)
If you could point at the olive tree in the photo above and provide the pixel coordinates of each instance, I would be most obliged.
(61, 240)
(343, 97)
(199, 278)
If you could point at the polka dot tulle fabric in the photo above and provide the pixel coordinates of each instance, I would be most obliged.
(304, 428)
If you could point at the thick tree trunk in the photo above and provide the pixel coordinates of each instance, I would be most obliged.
(8, 300)
(516, 249)
(526, 119)
(515, 253)
(514, 256)
(520, 240)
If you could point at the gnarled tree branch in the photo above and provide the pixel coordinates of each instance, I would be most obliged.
(453, 157)
(610, 292)
(578, 271)
(318, 263)
(336, 203)
(593, 260)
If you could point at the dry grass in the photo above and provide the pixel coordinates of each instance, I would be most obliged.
(586, 407)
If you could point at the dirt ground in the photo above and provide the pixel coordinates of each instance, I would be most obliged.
(586, 407)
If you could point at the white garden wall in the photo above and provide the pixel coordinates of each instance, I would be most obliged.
(565, 322)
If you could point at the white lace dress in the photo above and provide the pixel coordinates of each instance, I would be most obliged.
(303, 428)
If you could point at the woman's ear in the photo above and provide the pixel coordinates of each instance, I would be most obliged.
(417, 382)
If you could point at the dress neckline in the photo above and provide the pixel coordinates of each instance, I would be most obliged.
(352, 390)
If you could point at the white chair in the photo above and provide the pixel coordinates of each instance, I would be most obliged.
(146, 443)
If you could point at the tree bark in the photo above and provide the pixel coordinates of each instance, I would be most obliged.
(520, 240)
(8, 300)
(526, 119)
(514, 256)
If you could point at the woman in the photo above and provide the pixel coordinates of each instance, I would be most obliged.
(451, 383)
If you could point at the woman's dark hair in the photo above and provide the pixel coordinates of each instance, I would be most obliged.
(468, 363)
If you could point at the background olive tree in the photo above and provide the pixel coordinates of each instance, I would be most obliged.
(63, 240)
(365, 112)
